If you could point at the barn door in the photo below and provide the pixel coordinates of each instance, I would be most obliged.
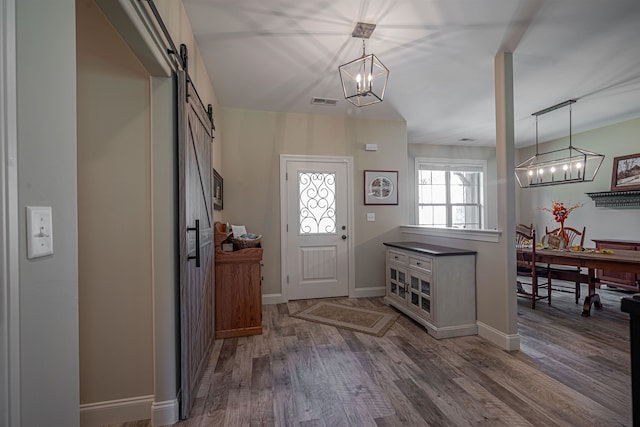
(196, 240)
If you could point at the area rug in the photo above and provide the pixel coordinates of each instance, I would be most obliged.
(357, 319)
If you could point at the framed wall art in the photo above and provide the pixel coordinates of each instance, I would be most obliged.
(626, 173)
(217, 191)
(380, 187)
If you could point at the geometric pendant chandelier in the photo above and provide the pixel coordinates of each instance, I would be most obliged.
(364, 80)
(563, 166)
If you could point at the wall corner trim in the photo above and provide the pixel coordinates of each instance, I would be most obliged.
(269, 299)
(115, 411)
(164, 413)
(130, 20)
(509, 342)
(368, 292)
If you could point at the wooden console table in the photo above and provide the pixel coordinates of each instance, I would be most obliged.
(238, 293)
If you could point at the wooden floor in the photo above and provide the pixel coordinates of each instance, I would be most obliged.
(570, 371)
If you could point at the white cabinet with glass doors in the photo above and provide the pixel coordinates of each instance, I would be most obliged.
(433, 285)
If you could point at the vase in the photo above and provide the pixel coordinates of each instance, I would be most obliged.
(562, 234)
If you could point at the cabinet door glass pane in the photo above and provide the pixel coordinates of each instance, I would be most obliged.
(426, 305)
(401, 277)
(394, 288)
(393, 273)
(401, 291)
(415, 282)
(415, 299)
(426, 287)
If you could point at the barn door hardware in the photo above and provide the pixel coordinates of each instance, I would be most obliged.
(197, 255)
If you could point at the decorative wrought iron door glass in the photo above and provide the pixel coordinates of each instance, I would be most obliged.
(317, 202)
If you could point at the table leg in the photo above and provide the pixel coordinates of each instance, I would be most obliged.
(592, 297)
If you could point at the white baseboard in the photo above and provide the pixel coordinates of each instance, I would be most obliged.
(115, 411)
(272, 299)
(373, 291)
(508, 342)
(164, 413)
(452, 331)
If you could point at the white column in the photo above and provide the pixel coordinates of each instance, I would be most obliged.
(505, 163)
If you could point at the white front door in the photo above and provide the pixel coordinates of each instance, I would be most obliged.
(317, 229)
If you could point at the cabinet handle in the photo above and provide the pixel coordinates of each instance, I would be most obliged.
(417, 263)
(197, 255)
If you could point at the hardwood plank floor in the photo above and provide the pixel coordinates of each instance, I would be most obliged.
(570, 371)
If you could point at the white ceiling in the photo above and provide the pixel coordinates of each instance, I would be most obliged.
(276, 55)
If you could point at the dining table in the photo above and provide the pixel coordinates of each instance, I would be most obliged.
(618, 260)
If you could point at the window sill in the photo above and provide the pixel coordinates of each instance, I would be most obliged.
(483, 235)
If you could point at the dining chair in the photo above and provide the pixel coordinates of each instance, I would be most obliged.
(527, 229)
(576, 238)
(526, 266)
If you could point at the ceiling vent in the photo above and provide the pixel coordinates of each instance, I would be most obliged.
(324, 101)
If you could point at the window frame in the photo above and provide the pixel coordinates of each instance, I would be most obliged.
(448, 164)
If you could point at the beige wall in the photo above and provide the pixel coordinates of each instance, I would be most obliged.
(127, 226)
(495, 263)
(177, 22)
(491, 291)
(621, 223)
(253, 143)
(116, 359)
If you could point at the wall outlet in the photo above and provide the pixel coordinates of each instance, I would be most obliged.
(371, 217)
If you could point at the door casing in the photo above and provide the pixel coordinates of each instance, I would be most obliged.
(10, 382)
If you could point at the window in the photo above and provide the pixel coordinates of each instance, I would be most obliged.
(450, 192)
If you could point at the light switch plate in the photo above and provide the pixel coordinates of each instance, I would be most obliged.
(39, 232)
(371, 217)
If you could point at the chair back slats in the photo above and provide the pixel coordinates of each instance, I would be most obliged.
(569, 273)
(524, 228)
(526, 239)
(526, 264)
(573, 234)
